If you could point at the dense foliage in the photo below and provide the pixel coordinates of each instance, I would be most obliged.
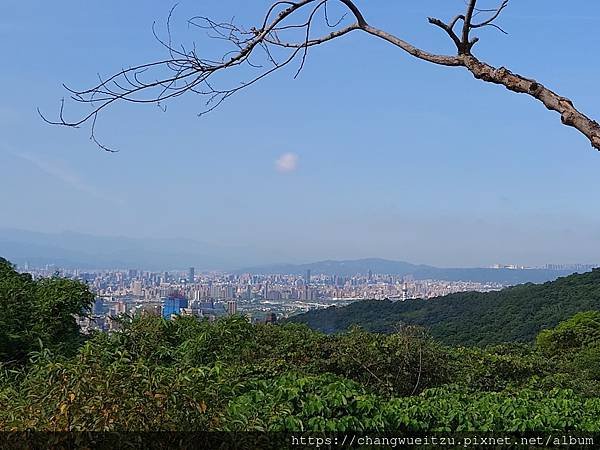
(514, 314)
(188, 374)
(36, 314)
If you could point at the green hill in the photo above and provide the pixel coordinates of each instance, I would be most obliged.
(514, 314)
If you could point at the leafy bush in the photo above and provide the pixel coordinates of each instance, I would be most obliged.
(579, 331)
(36, 313)
(328, 403)
(101, 390)
(498, 367)
(403, 363)
(524, 410)
(293, 402)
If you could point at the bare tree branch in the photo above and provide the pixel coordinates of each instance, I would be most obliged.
(569, 115)
(286, 33)
(494, 17)
(448, 28)
(467, 24)
(442, 60)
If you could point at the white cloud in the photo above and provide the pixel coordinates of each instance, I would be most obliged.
(288, 162)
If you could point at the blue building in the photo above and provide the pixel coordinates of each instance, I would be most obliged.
(99, 307)
(173, 305)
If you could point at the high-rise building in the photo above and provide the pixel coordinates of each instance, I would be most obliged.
(214, 291)
(231, 307)
(191, 275)
(118, 308)
(307, 277)
(228, 291)
(173, 304)
(307, 293)
(136, 288)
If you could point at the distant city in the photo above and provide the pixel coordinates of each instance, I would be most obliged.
(264, 297)
(564, 267)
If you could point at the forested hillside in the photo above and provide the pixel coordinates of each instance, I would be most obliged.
(514, 314)
(195, 375)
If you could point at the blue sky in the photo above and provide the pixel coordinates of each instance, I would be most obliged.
(396, 158)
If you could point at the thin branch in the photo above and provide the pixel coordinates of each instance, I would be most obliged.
(420, 370)
(442, 60)
(448, 28)
(454, 21)
(282, 38)
(497, 12)
(467, 22)
(368, 370)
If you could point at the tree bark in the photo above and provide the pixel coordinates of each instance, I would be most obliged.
(570, 115)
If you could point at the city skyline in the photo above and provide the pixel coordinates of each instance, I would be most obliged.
(345, 162)
(259, 297)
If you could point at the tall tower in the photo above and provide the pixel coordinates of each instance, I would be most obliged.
(307, 278)
(404, 292)
(191, 275)
(231, 307)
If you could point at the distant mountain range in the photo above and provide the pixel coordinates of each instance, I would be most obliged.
(419, 272)
(77, 250)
